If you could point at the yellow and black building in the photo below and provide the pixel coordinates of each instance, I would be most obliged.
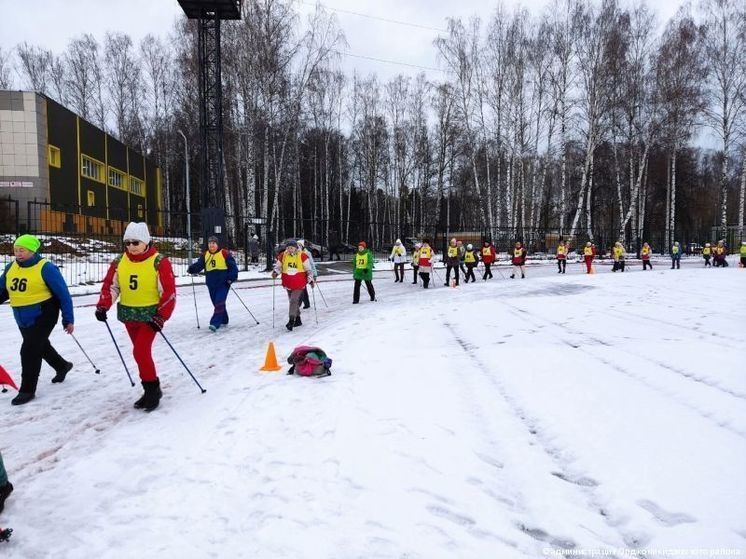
(68, 175)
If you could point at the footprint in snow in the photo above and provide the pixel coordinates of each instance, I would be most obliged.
(663, 516)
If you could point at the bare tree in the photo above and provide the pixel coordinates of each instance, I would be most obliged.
(34, 65)
(5, 65)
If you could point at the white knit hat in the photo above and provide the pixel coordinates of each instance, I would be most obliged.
(398, 241)
(137, 232)
(302, 242)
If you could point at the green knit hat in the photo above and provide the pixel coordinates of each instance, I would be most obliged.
(29, 242)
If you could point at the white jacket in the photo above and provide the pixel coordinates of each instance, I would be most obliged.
(399, 254)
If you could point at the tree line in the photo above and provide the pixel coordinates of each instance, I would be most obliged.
(585, 119)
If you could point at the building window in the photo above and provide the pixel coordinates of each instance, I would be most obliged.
(117, 179)
(140, 212)
(137, 186)
(91, 198)
(91, 168)
(55, 159)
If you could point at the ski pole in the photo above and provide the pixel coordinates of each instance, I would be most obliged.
(98, 371)
(244, 305)
(119, 352)
(322, 295)
(274, 282)
(182, 362)
(194, 293)
(316, 314)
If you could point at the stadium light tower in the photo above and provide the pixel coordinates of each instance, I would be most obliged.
(210, 13)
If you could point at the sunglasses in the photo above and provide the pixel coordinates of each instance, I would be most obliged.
(133, 243)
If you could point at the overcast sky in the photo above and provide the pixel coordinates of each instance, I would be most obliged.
(52, 23)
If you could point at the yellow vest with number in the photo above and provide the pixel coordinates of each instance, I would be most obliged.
(470, 257)
(292, 263)
(215, 261)
(561, 249)
(675, 249)
(25, 285)
(706, 251)
(588, 251)
(426, 253)
(452, 252)
(361, 261)
(138, 282)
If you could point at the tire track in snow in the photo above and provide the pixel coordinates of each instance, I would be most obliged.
(585, 486)
(539, 321)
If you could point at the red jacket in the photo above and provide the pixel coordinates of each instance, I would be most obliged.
(489, 257)
(166, 283)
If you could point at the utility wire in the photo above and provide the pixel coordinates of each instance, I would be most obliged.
(342, 53)
(386, 20)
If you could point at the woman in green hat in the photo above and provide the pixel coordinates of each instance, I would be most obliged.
(37, 293)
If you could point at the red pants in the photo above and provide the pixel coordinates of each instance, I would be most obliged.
(588, 263)
(142, 337)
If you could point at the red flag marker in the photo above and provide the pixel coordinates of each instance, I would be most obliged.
(5, 378)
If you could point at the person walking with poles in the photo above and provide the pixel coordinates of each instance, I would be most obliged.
(37, 293)
(143, 282)
(305, 299)
(720, 253)
(676, 256)
(220, 272)
(415, 262)
(398, 257)
(461, 253)
(518, 260)
(707, 254)
(588, 254)
(363, 272)
(645, 253)
(452, 262)
(618, 254)
(471, 259)
(425, 264)
(295, 270)
(488, 258)
(562, 249)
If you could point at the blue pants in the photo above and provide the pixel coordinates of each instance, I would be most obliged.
(218, 295)
(3, 474)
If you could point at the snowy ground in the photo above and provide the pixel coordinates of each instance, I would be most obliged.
(505, 419)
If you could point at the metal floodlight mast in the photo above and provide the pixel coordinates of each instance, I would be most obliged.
(210, 13)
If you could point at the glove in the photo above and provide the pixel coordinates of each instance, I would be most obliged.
(274, 275)
(101, 314)
(312, 284)
(156, 323)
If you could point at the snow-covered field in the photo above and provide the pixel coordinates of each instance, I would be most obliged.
(504, 419)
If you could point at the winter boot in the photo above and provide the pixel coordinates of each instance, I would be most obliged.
(5, 492)
(297, 321)
(23, 398)
(512, 276)
(62, 372)
(290, 324)
(523, 276)
(152, 396)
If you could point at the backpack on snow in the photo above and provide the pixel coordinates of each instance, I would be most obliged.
(309, 361)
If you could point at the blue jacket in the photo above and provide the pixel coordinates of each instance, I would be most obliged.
(216, 278)
(26, 316)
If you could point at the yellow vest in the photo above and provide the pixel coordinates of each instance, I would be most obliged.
(398, 251)
(674, 249)
(706, 251)
(361, 261)
(645, 250)
(426, 253)
(292, 264)
(416, 257)
(486, 251)
(588, 251)
(618, 251)
(138, 282)
(214, 262)
(25, 285)
(452, 252)
(561, 249)
(470, 257)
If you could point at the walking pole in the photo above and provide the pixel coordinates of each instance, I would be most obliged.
(274, 282)
(322, 295)
(316, 314)
(194, 293)
(98, 371)
(119, 352)
(182, 361)
(244, 305)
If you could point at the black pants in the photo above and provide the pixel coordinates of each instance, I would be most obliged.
(356, 292)
(414, 273)
(455, 268)
(36, 346)
(425, 279)
(707, 262)
(487, 271)
(470, 273)
(618, 265)
(399, 271)
(645, 264)
(561, 266)
(676, 263)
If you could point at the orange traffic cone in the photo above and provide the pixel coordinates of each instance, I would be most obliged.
(270, 361)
